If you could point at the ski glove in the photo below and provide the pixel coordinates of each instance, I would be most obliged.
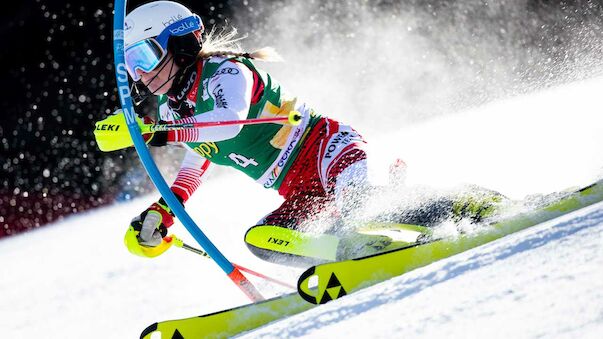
(158, 138)
(152, 224)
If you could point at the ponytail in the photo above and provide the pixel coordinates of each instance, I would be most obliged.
(225, 43)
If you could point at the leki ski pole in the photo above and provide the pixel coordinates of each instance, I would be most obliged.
(179, 243)
(294, 118)
(112, 133)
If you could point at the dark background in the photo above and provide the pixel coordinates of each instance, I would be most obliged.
(57, 80)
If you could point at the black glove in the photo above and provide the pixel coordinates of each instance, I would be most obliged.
(156, 139)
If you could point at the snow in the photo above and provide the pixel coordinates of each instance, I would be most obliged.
(542, 142)
(75, 279)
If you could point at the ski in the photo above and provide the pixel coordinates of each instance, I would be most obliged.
(373, 238)
(336, 279)
(227, 323)
(236, 320)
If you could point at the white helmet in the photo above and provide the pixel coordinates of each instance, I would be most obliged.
(152, 27)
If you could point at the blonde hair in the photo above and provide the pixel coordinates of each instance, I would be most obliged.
(226, 43)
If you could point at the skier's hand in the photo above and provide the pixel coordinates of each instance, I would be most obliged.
(156, 139)
(152, 224)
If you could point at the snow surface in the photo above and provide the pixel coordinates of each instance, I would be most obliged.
(75, 279)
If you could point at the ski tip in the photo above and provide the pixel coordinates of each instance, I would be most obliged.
(146, 334)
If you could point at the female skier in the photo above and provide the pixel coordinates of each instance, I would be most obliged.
(318, 166)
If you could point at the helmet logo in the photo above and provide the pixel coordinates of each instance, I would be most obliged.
(128, 25)
(171, 20)
(185, 27)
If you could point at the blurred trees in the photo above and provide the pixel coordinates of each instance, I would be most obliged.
(57, 80)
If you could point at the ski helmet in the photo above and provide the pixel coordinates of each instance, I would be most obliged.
(155, 28)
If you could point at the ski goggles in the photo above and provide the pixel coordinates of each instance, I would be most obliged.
(147, 54)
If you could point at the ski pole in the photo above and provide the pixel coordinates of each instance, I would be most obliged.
(112, 133)
(294, 118)
(179, 243)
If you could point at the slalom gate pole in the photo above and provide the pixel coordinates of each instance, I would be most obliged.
(179, 243)
(125, 98)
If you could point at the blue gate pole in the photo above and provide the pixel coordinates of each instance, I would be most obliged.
(149, 164)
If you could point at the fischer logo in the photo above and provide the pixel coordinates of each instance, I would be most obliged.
(283, 160)
(341, 139)
(173, 18)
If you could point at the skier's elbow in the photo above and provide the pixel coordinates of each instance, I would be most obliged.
(232, 131)
(220, 133)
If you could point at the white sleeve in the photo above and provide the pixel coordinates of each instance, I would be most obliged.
(189, 176)
(230, 88)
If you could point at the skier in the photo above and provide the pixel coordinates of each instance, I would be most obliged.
(319, 167)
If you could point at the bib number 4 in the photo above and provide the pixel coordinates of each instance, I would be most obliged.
(241, 160)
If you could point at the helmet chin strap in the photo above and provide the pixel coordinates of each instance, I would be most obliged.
(170, 76)
(141, 95)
